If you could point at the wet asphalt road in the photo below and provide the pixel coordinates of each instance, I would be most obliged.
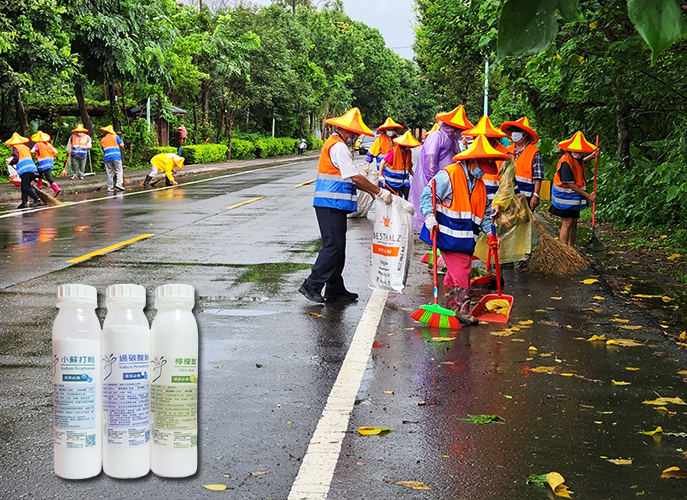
(267, 366)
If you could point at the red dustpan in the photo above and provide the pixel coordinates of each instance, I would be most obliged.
(479, 311)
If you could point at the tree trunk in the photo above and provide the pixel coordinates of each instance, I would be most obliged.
(229, 126)
(195, 122)
(220, 121)
(622, 123)
(21, 112)
(205, 101)
(294, 8)
(114, 108)
(83, 112)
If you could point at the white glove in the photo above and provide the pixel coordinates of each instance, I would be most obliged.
(430, 222)
(385, 196)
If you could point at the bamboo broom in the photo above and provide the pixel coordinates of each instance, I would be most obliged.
(47, 199)
(552, 257)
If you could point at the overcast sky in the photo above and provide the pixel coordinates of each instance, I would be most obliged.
(392, 18)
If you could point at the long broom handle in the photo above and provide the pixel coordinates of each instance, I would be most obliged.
(596, 166)
(435, 230)
(496, 259)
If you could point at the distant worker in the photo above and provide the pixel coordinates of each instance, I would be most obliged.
(397, 166)
(383, 143)
(77, 147)
(183, 133)
(569, 194)
(437, 153)
(164, 162)
(335, 198)
(26, 169)
(529, 164)
(302, 146)
(112, 155)
(45, 154)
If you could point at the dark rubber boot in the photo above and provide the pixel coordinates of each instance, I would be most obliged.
(461, 306)
(146, 182)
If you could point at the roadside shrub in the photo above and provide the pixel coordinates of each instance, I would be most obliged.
(242, 150)
(148, 153)
(204, 153)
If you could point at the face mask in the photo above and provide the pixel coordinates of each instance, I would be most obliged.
(350, 141)
(478, 173)
(578, 156)
(390, 133)
(517, 136)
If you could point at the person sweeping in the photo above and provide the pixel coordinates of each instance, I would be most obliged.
(569, 194)
(383, 143)
(164, 162)
(45, 154)
(26, 169)
(461, 199)
(397, 166)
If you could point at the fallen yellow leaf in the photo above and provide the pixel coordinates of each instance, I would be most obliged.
(586, 406)
(632, 369)
(589, 281)
(658, 430)
(416, 485)
(620, 461)
(682, 372)
(540, 310)
(543, 369)
(683, 335)
(260, 473)
(619, 320)
(591, 309)
(629, 327)
(674, 473)
(566, 374)
(443, 339)
(619, 382)
(556, 298)
(526, 322)
(663, 409)
(517, 340)
(503, 333)
(611, 342)
(215, 487)
(532, 348)
(666, 299)
(388, 392)
(556, 481)
(628, 343)
(674, 256)
(644, 296)
(598, 297)
(665, 401)
(315, 315)
(369, 431)
(594, 338)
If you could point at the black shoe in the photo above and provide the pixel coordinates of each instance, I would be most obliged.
(344, 296)
(37, 203)
(310, 294)
(23, 205)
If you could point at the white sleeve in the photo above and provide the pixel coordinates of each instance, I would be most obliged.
(343, 160)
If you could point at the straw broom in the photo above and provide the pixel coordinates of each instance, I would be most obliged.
(47, 199)
(551, 257)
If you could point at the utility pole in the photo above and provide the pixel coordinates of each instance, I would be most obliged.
(294, 7)
(486, 87)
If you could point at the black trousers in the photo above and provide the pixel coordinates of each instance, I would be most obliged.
(26, 187)
(47, 175)
(332, 258)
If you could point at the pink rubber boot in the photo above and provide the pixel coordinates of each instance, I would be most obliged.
(55, 188)
(39, 182)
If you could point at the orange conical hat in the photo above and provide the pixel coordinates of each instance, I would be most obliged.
(390, 124)
(484, 127)
(578, 144)
(40, 136)
(480, 148)
(352, 121)
(80, 128)
(434, 128)
(407, 140)
(108, 129)
(179, 161)
(523, 124)
(456, 118)
(15, 140)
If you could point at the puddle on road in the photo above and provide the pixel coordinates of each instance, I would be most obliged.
(238, 312)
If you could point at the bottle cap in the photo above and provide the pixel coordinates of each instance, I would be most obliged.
(77, 294)
(184, 294)
(132, 294)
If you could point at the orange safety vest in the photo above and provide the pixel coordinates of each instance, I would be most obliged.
(459, 223)
(46, 155)
(331, 190)
(563, 197)
(111, 151)
(523, 168)
(25, 163)
(491, 181)
(79, 145)
(397, 173)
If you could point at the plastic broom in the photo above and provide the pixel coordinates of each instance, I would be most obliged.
(433, 314)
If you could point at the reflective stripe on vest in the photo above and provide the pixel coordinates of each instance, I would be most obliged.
(25, 163)
(397, 173)
(110, 146)
(459, 223)
(79, 145)
(46, 156)
(523, 168)
(331, 191)
(565, 198)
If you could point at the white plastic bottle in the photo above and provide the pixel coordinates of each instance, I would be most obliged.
(174, 382)
(126, 383)
(76, 383)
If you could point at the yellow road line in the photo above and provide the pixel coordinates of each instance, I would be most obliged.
(245, 202)
(305, 183)
(107, 249)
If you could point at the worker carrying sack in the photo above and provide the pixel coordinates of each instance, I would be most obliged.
(392, 242)
(365, 200)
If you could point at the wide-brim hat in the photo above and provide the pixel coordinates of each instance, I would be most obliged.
(577, 144)
(80, 128)
(523, 124)
(407, 140)
(179, 161)
(351, 121)
(434, 128)
(456, 118)
(15, 140)
(108, 129)
(40, 136)
(481, 148)
(484, 127)
(390, 124)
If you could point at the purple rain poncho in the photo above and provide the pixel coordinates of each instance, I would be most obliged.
(436, 154)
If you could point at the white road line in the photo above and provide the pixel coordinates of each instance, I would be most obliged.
(317, 469)
(15, 213)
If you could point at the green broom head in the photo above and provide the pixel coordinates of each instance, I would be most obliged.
(436, 316)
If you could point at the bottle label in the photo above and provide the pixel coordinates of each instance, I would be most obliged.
(126, 400)
(74, 370)
(174, 402)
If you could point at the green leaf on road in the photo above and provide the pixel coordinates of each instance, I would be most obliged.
(483, 419)
(538, 479)
(660, 22)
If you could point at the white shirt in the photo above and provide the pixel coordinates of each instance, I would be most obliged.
(342, 158)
